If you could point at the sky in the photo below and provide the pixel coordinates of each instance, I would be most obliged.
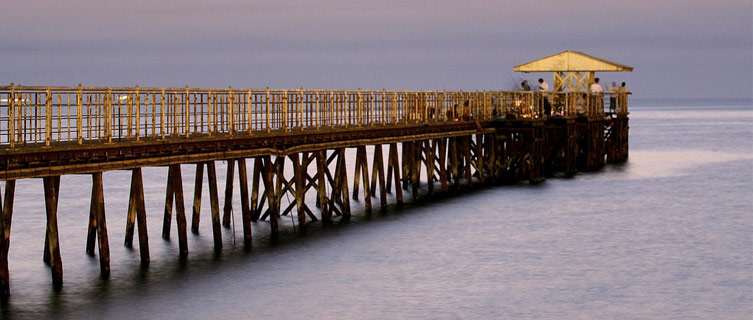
(678, 49)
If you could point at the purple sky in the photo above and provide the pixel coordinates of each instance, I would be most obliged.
(678, 48)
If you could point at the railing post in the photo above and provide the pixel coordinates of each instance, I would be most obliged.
(360, 108)
(48, 118)
(231, 110)
(285, 110)
(12, 116)
(162, 115)
(248, 105)
(108, 115)
(317, 110)
(79, 115)
(137, 112)
(188, 114)
(267, 120)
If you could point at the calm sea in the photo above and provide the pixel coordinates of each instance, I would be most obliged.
(669, 234)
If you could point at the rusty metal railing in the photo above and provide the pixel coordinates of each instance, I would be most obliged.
(48, 116)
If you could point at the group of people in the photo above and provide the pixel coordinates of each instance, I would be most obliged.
(595, 89)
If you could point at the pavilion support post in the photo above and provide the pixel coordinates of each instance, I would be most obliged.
(228, 208)
(99, 212)
(6, 213)
(53, 244)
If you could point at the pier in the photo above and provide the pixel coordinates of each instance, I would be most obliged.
(421, 142)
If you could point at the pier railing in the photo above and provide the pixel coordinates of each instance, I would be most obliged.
(46, 116)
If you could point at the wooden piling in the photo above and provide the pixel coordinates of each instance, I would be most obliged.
(245, 209)
(53, 244)
(321, 175)
(214, 201)
(228, 208)
(175, 192)
(377, 175)
(6, 214)
(99, 213)
(137, 195)
(198, 182)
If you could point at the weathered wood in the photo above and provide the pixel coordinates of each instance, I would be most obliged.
(415, 168)
(53, 244)
(198, 182)
(169, 196)
(429, 163)
(6, 214)
(377, 174)
(99, 212)
(137, 185)
(442, 144)
(214, 201)
(362, 162)
(394, 165)
(322, 171)
(245, 210)
(228, 208)
(299, 193)
(255, 207)
(480, 169)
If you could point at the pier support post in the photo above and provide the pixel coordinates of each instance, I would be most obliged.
(377, 174)
(175, 192)
(480, 169)
(255, 206)
(197, 186)
(245, 209)
(443, 163)
(322, 171)
(571, 148)
(137, 215)
(214, 201)
(429, 163)
(51, 187)
(228, 208)
(99, 212)
(393, 166)
(536, 165)
(6, 213)
(362, 168)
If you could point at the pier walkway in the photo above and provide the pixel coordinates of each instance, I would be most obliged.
(439, 139)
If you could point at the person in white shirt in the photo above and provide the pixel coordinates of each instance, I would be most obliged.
(596, 87)
(544, 87)
(597, 98)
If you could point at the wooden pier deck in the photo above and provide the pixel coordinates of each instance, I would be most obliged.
(441, 139)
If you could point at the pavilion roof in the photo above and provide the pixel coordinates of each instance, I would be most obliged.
(571, 61)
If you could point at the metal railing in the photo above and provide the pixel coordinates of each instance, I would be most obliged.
(46, 116)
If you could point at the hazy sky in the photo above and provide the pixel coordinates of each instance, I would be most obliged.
(678, 48)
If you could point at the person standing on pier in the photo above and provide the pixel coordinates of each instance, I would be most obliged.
(597, 92)
(613, 97)
(544, 87)
(622, 93)
(525, 86)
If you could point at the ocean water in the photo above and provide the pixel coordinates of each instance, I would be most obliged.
(667, 235)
